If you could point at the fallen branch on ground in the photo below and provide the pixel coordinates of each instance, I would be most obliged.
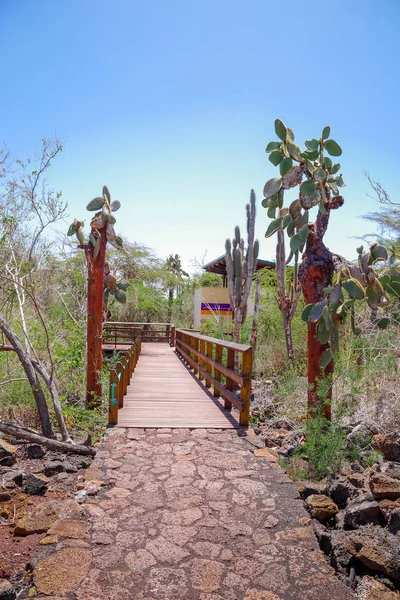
(18, 432)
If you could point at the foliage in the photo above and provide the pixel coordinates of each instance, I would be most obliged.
(324, 447)
(380, 290)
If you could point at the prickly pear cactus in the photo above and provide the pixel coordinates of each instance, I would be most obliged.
(355, 284)
(312, 171)
(103, 219)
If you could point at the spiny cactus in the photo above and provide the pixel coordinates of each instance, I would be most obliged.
(381, 291)
(241, 265)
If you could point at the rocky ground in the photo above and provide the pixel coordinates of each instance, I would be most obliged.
(161, 514)
(355, 514)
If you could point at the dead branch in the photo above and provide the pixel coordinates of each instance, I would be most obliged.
(20, 433)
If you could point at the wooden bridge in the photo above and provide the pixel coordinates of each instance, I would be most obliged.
(167, 377)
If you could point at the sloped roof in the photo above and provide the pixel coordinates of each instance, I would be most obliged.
(218, 265)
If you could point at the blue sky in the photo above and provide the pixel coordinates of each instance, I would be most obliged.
(171, 104)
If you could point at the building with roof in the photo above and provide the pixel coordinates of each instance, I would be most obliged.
(214, 302)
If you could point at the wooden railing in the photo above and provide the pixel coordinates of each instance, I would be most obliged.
(125, 332)
(213, 361)
(120, 378)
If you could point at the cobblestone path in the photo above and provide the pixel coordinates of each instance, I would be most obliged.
(190, 514)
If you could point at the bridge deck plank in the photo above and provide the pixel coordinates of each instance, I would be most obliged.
(164, 393)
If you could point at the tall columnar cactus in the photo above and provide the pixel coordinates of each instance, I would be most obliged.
(100, 284)
(240, 266)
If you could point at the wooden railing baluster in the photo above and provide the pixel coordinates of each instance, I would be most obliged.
(198, 352)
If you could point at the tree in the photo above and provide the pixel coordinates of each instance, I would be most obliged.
(30, 207)
(240, 267)
(318, 182)
(174, 280)
(388, 217)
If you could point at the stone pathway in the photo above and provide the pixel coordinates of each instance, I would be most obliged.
(189, 514)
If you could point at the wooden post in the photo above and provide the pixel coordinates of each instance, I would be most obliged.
(217, 373)
(120, 372)
(245, 392)
(173, 336)
(124, 364)
(201, 362)
(230, 363)
(208, 366)
(95, 320)
(113, 400)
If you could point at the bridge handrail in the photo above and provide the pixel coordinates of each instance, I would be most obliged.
(121, 330)
(205, 355)
(120, 378)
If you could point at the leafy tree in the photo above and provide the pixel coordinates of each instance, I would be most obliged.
(29, 207)
(173, 280)
(388, 217)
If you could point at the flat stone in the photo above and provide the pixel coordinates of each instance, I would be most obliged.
(166, 582)
(61, 572)
(49, 539)
(268, 453)
(165, 551)
(206, 574)
(177, 534)
(38, 520)
(140, 560)
(69, 528)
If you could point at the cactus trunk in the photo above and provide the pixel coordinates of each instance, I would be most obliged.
(315, 274)
(94, 335)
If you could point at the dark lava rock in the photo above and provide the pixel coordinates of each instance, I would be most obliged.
(362, 434)
(35, 451)
(341, 491)
(394, 521)
(387, 507)
(70, 467)
(5, 496)
(389, 445)
(52, 467)
(8, 453)
(384, 485)
(7, 591)
(376, 548)
(323, 536)
(17, 478)
(340, 556)
(33, 485)
(361, 511)
(308, 488)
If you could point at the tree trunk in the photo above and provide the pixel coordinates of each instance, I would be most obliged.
(23, 434)
(315, 274)
(28, 367)
(170, 303)
(94, 337)
(56, 400)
